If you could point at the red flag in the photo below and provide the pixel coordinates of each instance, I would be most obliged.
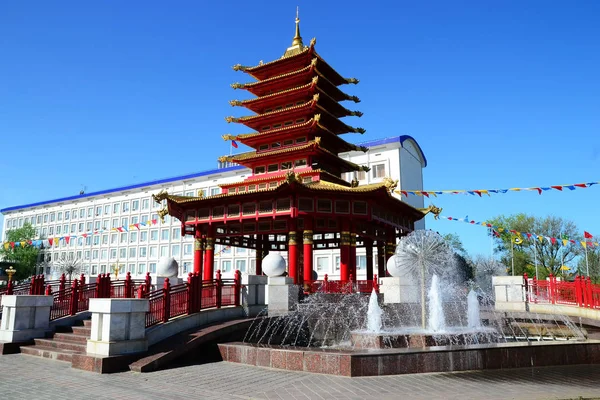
(50, 240)
(587, 235)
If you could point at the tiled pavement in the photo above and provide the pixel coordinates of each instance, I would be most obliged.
(26, 377)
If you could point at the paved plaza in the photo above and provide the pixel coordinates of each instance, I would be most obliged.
(26, 377)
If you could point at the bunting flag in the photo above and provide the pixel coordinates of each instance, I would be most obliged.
(55, 241)
(224, 249)
(518, 237)
(488, 192)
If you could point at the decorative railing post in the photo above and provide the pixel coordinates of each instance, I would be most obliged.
(590, 290)
(166, 300)
(218, 284)
(351, 283)
(32, 284)
(238, 287)
(148, 282)
(48, 290)
(128, 287)
(551, 289)
(191, 299)
(198, 291)
(526, 287)
(578, 296)
(74, 298)
(10, 287)
(107, 287)
(535, 290)
(82, 280)
(326, 284)
(140, 292)
(61, 282)
(375, 283)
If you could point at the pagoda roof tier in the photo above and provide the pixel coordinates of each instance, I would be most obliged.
(313, 147)
(311, 129)
(295, 78)
(317, 104)
(294, 62)
(323, 175)
(295, 94)
(376, 195)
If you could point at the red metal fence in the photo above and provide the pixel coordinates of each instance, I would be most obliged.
(350, 286)
(191, 297)
(581, 292)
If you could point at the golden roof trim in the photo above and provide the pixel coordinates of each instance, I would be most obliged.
(244, 102)
(298, 71)
(249, 69)
(274, 112)
(253, 154)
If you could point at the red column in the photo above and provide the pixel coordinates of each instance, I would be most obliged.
(381, 267)
(197, 253)
(352, 256)
(345, 252)
(308, 250)
(259, 254)
(209, 255)
(293, 253)
(369, 256)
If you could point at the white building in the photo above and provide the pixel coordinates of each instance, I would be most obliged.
(90, 220)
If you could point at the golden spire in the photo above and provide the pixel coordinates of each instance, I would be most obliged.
(297, 45)
(297, 41)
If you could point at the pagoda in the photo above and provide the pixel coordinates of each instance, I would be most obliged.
(295, 198)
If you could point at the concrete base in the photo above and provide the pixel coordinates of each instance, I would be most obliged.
(24, 317)
(253, 291)
(283, 295)
(398, 290)
(367, 340)
(118, 326)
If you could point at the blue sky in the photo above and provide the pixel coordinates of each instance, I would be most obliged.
(498, 94)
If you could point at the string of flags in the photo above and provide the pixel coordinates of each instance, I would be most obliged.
(519, 237)
(55, 241)
(488, 192)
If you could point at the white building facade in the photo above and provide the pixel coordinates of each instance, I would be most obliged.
(113, 228)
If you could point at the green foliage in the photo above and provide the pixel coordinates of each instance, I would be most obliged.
(23, 258)
(549, 257)
(464, 265)
(593, 262)
(455, 243)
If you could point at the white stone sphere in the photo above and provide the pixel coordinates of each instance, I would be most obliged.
(167, 267)
(273, 265)
(392, 267)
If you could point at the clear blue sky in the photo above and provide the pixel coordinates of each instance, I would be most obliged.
(498, 94)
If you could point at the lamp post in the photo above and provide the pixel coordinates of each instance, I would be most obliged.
(116, 269)
(10, 272)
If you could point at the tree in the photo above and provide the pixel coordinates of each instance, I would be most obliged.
(68, 266)
(529, 252)
(461, 259)
(592, 263)
(25, 257)
(455, 243)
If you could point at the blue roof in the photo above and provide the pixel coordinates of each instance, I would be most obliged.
(395, 139)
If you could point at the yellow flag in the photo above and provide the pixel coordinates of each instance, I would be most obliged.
(565, 268)
(6, 246)
(565, 241)
(23, 244)
(517, 240)
(584, 244)
(56, 241)
(541, 239)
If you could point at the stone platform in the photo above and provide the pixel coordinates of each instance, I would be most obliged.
(368, 340)
(413, 360)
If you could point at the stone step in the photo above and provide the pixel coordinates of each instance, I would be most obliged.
(70, 337)
(87, 323)
(57, 344)
(49, 352)
(82, 331)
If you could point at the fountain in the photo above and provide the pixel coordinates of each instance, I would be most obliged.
(450, 328)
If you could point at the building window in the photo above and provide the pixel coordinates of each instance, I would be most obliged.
(107, 209)
(323, 264)
(52, 217)
(187, 267)
(226, 265)
(133, 237)
(123, 252)
(94, 269)
(116, 208)
(152, 268)
(143, 251)
(104, 254)
(337, 263)
(67, 215)
(123, 237)
(273, 168)
(175, 250)
(143, 237)
(132, 252)
(240, 265)
(125, 222)
(113, 254)
(135, 205)
(379, 171)
(153, 252)
(154, 234)
(95, 255)
(145, 204)
(125, 206)
(97, 225)
(98, 211)
(187, 249)
(164, 234)
(176, 233)
(141, 268)
(361, 262)
(88, 226)
(214, 191)
(104, 239)
(300, 163)
(59, 216)
(259, 170)
(164, 251)
(144, 218)
(96, 240)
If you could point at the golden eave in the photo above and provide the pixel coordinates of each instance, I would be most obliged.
(249, 70)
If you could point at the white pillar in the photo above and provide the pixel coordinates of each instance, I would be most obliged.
(283, 295)
(509, 293)
(118, 326)
(399, 290)
(24, 317)
(253, 292)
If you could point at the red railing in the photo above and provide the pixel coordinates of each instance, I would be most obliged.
(350, 286)
(581, 292)
(191, 297)
(76, 298)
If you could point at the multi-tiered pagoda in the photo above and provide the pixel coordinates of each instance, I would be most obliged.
(295, 199)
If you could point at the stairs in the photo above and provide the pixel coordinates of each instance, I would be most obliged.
(62, 345)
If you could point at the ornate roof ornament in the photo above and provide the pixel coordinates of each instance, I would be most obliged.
(354, 183)
(297, 45)
(223, 159)
(237, 85)
(239, 67)
(359, 130)
(317, 117)
(352, 80)
(231, 119)
(316, 97)
(390, 184)
(235, 103)
(356, 114)
(228, 136)
(365, 168)
(354, 99)
(436, 211)
(313, 41)
(292, 176)
(314, 61)
(318, 140)
(160, 196)
(360, 148)
(161, 214)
